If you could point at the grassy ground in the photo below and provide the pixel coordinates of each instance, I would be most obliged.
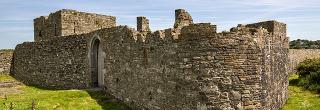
(56, 99)
(5, 77)
(300, 99)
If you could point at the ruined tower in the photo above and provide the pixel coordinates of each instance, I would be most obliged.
(182, 19)
(69, 22)
(143, 24)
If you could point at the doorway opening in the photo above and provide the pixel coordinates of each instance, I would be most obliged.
(95, 62)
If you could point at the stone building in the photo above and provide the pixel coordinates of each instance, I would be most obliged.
(188, 67)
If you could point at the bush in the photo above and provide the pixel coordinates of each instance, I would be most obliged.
(307, 66)
(309, 74)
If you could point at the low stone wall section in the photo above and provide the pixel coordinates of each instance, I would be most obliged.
(298, 55)
(5, 60)
(61, 63)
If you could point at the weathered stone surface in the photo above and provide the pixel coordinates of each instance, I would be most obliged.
(236, 95)
(69, 22)
(60, 63)
(5, 60)
(143, 24)
(188, 67)
(182, 19)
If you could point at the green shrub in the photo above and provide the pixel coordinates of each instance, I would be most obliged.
(309, 74)
(307, 66)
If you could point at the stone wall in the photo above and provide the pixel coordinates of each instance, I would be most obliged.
(5, 60)
(188, 67)
(69, 22)
(274, 79)
(182, 18)
(46, 27)
(200, 70)
(226, 66)
(298, 55)
(60, 63)
(74, 22)
(142, 24)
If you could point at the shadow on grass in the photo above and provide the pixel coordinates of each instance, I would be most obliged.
(294, 82)
(106, 101)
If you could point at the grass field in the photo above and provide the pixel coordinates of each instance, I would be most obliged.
(6, 77)
(56, 99)
(299, 99)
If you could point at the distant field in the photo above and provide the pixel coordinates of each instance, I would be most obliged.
(24, 97)
(300, 99)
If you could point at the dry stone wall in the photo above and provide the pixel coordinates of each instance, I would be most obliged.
(5, 60)
(182, 18)
(226, 68)
(60, 63)
(298, 55)
(275, 60)
(142, 24)
(69, 22)
(74, 22)
(47, 27)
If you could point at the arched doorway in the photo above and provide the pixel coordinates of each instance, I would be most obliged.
(95, 65)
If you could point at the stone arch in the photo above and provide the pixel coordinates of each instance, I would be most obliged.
(96, 62)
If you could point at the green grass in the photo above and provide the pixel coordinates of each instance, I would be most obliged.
(4, 77)
(57, 99)
(301, 99)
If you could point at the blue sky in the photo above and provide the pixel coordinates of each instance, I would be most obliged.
(301, 16)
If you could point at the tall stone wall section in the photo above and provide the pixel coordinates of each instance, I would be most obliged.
(47, 27)
(61, 63)
(69, 22)
(141, 74)
(5, 60)
(298, 55)
(226, 67)
(74, 22)
(150, 74)
(275, 49)
(200, 70)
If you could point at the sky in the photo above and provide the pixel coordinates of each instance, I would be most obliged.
(301, 16)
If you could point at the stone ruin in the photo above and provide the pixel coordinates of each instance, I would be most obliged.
(188, 67)
(5, 60)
